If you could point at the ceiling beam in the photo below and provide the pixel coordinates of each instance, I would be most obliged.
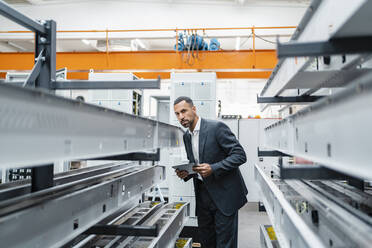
(236, 64)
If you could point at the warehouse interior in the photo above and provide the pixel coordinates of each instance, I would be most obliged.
(89, 137)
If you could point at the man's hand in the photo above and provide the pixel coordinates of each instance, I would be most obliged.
(204, 170)
(182, 174)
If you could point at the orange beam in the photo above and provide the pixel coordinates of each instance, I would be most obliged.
(152, 60)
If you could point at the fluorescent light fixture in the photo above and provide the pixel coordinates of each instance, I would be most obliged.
(237, 44)
(86, 42)
(140, 43)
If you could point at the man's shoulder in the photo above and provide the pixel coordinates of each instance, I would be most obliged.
(212, 123)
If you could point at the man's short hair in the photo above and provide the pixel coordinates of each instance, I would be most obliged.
(183, 98)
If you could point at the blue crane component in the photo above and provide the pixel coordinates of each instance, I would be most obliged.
(214, 45)
(195, 42)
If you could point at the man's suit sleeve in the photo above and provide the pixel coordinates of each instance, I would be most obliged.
(231, 146)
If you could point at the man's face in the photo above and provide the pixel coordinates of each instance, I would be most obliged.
(185, 113)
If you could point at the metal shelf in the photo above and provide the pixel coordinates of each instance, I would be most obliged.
(316, 213)
(349, 19)
(38, 128)
(290, 229)
(63, 212)
(333, 132)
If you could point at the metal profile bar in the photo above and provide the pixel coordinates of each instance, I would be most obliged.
(123, 230)
(20, 18)
(30, 80)
(135, 156)
(270, 153)
(81, 209)
(309, 172)
(291, 69)
(47, 42)
(288, 99)
(147, 210)
(90, 84)
(170, 231)
(347, 45)
(351, 224)
(300, 28)
(65, 129)
(291, 230)
(18, 188)
(341, 139)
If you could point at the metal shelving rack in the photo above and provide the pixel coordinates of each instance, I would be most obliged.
(38, 128)
(325, 68)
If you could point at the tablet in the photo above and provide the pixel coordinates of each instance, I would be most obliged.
(185, 167)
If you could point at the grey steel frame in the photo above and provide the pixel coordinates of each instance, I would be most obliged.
(172, 221)
(43, 76)
(304, 213)
(291, 230)
(63, 129)
(300, 28)
(170, 232)
(88, 84)
(349, 226)
(57, 221)
(350, 45)
(333, 132)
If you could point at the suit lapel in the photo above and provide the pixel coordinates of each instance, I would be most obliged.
(189, 147)
(202, 139)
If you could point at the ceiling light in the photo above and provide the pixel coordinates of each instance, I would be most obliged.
(86, 42)
(237, 44)
(140, 43)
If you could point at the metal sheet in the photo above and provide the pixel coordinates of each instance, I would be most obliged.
(90, 84)
(61, 219)
(291, 230)
(38, 128)
(345, 17)
(334, 132)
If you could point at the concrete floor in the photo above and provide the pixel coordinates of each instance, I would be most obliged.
(249, 223)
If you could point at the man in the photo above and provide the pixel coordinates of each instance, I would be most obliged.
(219, 187)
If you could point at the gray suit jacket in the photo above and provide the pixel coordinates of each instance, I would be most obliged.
(219, 147)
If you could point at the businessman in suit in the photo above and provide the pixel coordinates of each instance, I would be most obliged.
(219, 187)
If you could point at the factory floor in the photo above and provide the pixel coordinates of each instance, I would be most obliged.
(250, 220)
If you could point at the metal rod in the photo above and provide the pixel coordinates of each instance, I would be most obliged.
(288, 99)
(88, 84)
(136, 156)
(270, 153)
(309, 172)
(350, 45)
(124, 230)
(20, 18)
(30, 80)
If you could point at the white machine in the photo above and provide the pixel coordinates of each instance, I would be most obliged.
(128, 101)
(201, 88)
